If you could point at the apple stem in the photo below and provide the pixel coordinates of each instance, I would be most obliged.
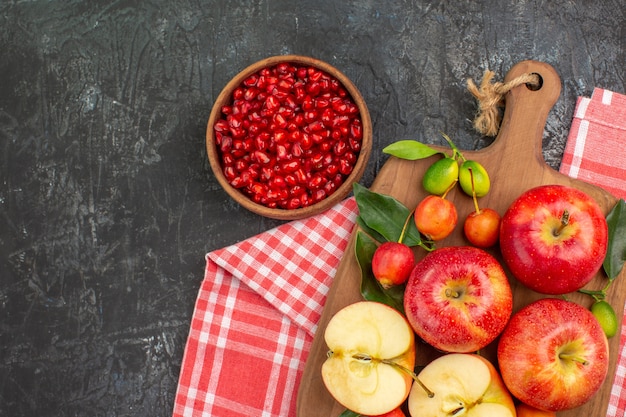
(367, 358)
(564, 222)
(574, 358)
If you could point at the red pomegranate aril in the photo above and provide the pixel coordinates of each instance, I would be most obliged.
(345, 167)
(251, 80)
(327, 117)
(290, 166)
(293, 203)
(319, 195)
(261, 157)
(271, 104)
(238, 93)
(281, 136)
(356, 130)
(310, 116)
(316, 126)
(305, 200)
(297, 190)
(300, 175)
(355, 144)
(296, 150)
(330, 187)
(230, 173)
(241, 165)
(341, 120)
(280, 121)
(291, 180)
(277, 182)
(227, 144)
(340, 148)
(316, 182)
(338, 179)
(307, 103)
(314, 88)
(325, 146)
(331, 169)
(322, 103)
(267, 174)
(306, 142)
(256, 188)
(350, 157)
(221, 126)
(314, 74)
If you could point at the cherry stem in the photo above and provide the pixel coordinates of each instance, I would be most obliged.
(404, 227)
(474, 191)
(598, 295)
(567, 356)
(443, 196)
(367, 358)
(564, 222)
(455, 151)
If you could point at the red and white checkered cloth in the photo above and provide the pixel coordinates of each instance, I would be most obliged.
(595, 153)
(595, 147)
(260, 301)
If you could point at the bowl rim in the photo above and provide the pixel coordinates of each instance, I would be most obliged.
(341, 192)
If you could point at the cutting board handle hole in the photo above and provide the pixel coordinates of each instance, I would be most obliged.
(535, 87)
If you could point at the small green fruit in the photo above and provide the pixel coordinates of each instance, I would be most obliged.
(440, 176)
(606, 316)
(482, 184)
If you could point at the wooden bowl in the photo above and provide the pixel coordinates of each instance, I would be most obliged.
(225, 98)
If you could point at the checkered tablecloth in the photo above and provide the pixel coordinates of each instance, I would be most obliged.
(260, 300)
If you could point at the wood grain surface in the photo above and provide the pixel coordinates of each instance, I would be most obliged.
(515, 164)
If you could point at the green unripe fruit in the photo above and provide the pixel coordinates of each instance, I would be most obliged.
(605, 315)
(440, 176)
(482, 184)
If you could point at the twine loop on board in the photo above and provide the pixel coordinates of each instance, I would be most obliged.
(490, 96)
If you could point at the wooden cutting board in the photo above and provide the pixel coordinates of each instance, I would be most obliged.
(515, 163)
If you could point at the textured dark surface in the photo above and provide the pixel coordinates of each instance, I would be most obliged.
(107, 202)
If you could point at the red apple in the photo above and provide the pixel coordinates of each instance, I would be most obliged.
(554, 239)
(553, 355)
(458, 299)
(392, 263)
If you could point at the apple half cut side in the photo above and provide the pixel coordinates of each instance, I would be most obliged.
(371, 347)
(464, 384)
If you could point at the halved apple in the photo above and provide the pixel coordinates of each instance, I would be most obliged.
(464, 384)
(370, 359)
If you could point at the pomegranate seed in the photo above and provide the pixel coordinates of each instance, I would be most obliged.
(319, 195)
(293, 203)
(345, 167)
(230, 173)
(261, 157)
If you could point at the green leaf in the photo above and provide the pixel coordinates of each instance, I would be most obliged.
(385, 216)
(371, 290)
(616, 252)
(410, 149)
(349, 413)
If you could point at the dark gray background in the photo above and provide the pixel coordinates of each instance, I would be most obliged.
(107, 202)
